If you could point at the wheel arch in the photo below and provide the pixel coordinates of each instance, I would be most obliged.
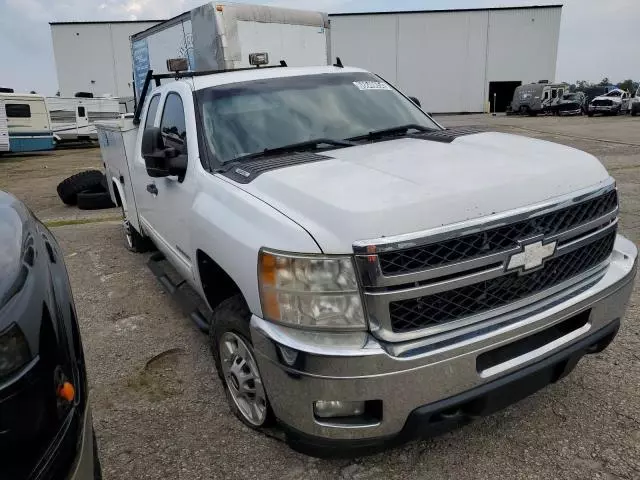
(216, 284)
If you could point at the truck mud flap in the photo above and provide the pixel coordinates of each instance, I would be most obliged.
(188, 299)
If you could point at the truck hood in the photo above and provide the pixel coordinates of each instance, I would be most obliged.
(408, 185)
(604, 97)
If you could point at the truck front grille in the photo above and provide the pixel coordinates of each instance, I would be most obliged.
(495, 240)
(451, 305)
(602, 103)
(459, 278)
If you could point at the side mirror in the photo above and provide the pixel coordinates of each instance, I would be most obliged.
(160, 160)
(416, 101)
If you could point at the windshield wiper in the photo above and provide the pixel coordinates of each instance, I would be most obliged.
(389, 132)
(296, 147)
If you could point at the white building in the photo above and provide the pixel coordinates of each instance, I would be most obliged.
(454, 60)
(95, 56)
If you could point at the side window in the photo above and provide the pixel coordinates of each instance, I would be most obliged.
(151, 112)
(546, 95)
(173, 125)
(81, 112)
(18, 110)
(554, 93)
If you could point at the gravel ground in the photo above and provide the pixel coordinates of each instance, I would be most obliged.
(160, 410)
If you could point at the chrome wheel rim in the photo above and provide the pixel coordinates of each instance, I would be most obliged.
(243, 378)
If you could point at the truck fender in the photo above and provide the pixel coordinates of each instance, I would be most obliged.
(230, 226)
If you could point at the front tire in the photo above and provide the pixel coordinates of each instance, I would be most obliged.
(235, 361)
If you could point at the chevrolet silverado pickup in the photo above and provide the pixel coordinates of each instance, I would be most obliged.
(372, 276)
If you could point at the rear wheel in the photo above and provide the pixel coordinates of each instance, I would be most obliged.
(133, 240)
(236, 363)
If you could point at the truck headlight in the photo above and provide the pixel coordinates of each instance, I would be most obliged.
(14, 350)
(310, 291)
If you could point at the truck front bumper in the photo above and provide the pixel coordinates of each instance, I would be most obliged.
(420, 391)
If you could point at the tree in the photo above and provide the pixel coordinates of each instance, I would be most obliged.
(605, 81)
(582, 85)
(628, 85)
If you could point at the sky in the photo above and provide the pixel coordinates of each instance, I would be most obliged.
(598, 38)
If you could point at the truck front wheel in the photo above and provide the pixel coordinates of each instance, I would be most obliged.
(236, 364)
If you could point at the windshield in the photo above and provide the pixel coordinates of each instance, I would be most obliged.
(570, 96)
(241, 119)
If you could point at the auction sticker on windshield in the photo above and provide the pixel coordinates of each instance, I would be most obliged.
(372, 86)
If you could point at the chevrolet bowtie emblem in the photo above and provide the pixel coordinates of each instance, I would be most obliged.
(532, 256)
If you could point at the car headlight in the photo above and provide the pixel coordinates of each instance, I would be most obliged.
(14, 350)
(310, 291)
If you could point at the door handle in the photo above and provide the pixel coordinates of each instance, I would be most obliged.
(152, 189)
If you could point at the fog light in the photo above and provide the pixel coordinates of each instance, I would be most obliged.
(337, 408)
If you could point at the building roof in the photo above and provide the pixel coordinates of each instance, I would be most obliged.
(106, 21)
(391, 12)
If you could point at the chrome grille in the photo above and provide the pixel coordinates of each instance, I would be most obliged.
(451, 305)
(494, 240)
(456, 277)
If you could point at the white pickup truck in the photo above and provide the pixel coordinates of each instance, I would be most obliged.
(373, 277)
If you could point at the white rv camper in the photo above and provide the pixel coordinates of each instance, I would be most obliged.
(24, 123)
(74, 118)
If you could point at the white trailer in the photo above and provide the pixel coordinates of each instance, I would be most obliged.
(219, 36)
(74, 118)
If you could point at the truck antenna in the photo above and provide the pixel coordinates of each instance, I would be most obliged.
(338, 63)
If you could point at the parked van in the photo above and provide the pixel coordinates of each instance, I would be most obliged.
(535, 98)
(73, 118)
(24, 123)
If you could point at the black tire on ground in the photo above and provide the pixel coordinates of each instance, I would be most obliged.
(590, 114)
(89, 180)
(233, 315)
(97, 466)
(133, 240)
(634, 111)
(94, 201)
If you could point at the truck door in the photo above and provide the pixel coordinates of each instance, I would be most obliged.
(165, 202)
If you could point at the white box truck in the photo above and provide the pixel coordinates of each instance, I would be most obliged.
(218, 36)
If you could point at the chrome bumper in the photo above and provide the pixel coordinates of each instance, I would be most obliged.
(354, 367)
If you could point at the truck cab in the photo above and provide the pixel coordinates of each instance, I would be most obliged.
(371, 275)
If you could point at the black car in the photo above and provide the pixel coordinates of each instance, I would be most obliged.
(46, 429)
(574, 103)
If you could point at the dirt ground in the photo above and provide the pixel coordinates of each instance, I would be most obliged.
(160, 410)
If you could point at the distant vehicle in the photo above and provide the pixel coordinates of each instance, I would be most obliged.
(574, 103)
(46, 430)
(24, 123)
(74, 118)
(615, 102)
(635, 103)
(596, 91)
(535, 98)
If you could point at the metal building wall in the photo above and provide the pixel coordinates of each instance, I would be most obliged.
(447, 59)
(94, 57)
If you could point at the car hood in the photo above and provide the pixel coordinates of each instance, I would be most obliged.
(408, 185)
(604, 97)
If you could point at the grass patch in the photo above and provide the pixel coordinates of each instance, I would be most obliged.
(80, 221)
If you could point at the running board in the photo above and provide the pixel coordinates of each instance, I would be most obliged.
(190, 302)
